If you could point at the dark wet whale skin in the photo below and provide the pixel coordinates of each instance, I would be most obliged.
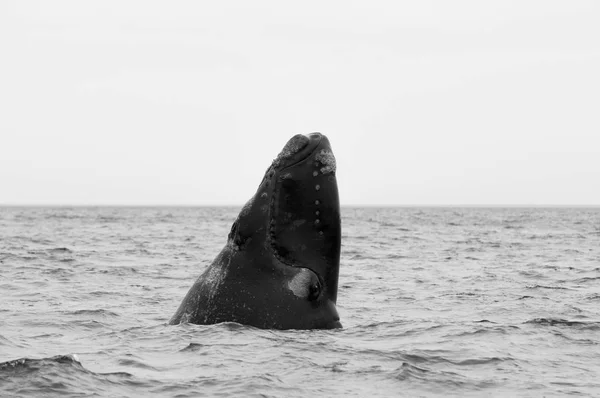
(279, 268)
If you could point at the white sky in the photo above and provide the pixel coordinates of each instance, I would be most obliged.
(187, 102)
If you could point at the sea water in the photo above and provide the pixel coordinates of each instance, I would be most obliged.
(434, 302)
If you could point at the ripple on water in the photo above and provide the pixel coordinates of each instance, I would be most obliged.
(58, 375)
(591, 325)
(521, 319)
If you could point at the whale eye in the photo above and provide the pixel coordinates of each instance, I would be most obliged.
(314, 290)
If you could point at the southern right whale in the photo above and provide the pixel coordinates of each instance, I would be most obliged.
(279, 268)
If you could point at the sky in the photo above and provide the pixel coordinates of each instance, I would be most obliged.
(186, 103)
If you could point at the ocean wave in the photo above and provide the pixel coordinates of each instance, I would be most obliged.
(60, 250)
(57, 375)
(193, 347)
(547, 287)
(95, 312)
(134, 362)
(439, 382)
(592, 325)
(443, 356)
(408, 371)
(32, 363)
(587, 279)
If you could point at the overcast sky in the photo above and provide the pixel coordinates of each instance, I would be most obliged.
(187, 102)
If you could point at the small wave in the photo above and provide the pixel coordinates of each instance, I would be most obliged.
(58, 271)
(429, 357)
(529, 273)
(136, 363)
(513, 227)
(41, 241)
(97, 312)
(54, 376)
(480, 361)
(115, 270)
(46, 336)
(71, 360)
(108, 219)
(408, 371)
(232, 326)
(552, 236)
(5, 341)
(97, 293)
(383, 324)
(193, 347)
(564, 322)
(61, 250)
(546, 287)
(357, 257)
(461, 294)
(573, 251)
(90, 324)
(587, 279)
(27, 258)
(448, 380)
(63, 216)
(593, 297)
(485, 331)
(395, 256)
(31, 363)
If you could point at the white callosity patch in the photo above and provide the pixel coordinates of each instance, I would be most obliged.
(293, 146)
(300, 282)
(327, 160)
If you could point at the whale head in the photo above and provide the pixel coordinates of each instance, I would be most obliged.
(294, 218)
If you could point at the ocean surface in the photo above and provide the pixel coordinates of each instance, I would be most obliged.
(434, 302)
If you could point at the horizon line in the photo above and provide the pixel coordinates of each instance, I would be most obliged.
(466, 205)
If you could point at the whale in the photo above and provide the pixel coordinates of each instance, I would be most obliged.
(280, 265)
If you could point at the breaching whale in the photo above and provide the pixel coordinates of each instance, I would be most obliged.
(279, 268)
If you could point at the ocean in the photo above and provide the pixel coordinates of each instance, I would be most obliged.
(434, 302)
